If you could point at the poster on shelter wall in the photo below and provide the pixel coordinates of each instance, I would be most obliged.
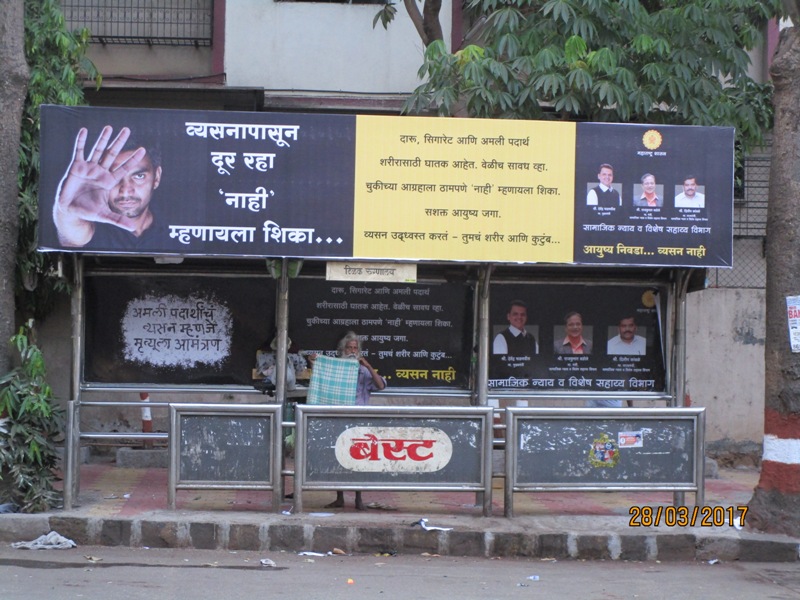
(175, 329)
(571, 337)
(216, 183)
(415, 335)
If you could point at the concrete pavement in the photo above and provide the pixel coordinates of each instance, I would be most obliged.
(128, 507)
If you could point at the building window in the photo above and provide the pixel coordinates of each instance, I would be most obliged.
(151, 22)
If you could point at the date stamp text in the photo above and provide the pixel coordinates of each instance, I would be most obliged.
(684, 516)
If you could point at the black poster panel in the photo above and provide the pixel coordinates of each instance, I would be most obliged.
(230, 183)
(654, 195)
(246, 440)
(175, 330)
(546, 360)
(613, 451)
(415, 335)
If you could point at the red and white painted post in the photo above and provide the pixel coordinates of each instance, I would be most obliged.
(147, 418)
(780, 462)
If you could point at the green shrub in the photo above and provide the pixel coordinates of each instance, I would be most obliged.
(30, 427)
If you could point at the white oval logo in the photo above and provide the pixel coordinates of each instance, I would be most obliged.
(394, 449)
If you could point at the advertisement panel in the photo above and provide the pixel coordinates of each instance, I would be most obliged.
(205, 183)
(415, 335)
(576, 338)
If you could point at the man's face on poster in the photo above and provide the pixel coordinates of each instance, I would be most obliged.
(574, 326)
(690, 188)
(606, 176)
(649, 185)
(131, 196)
(518, 317)
(627, 330)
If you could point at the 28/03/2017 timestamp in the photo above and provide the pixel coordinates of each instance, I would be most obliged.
(683, 516)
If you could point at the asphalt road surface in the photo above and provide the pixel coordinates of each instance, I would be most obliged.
(90, 573)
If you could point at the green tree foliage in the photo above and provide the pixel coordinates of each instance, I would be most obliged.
(677, 62)
(57, 62)
(30, 427)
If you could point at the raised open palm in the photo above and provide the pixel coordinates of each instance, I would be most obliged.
(84, 192)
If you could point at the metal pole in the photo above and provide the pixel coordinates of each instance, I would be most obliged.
(73, 434)
(281, 352)
(70, 456)
(482, 378)
(679, 374)
(147, 418)
(511, 459)
(700, 434)
(174, 445)
(282, 324)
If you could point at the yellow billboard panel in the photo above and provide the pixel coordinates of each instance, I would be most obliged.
(464, 189)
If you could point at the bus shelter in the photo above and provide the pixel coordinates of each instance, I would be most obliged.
(437, 240)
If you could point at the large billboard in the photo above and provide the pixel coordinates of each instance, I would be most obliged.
(204, 183)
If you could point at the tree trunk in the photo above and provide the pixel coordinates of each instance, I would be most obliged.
(427, 21)
(775, 505)
(13, 87)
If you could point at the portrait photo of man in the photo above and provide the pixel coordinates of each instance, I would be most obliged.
(514, 346)
(104, 198)
(647, 195)
(604, 193)
(626, 342)
(690, 194)
(569, 339)
(515, 340)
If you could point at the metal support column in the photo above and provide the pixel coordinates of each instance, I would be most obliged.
(482, 376)
(73, 440)
(679, 373)
(281, 353)
(484, 335)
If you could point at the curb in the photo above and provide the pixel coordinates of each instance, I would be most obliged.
(522, 538)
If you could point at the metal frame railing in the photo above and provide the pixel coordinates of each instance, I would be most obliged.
(482, 485)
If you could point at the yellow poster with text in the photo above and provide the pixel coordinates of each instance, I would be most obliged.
(464, 189)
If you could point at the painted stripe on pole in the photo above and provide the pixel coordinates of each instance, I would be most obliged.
(780, 424)
(780, 450)
(780, 477)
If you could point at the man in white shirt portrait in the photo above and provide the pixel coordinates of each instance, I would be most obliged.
(604, 194)
(690, 197)
(626, 342)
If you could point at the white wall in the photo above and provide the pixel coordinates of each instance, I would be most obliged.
(321, 46)
(725, 361)
(157, 62)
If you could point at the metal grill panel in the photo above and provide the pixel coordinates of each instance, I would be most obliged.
(749, 226)
(749, 266)
(151, 22)
(750, 212)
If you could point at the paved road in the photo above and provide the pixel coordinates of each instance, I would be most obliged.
(89, 573)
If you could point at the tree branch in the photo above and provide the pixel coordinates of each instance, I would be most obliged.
(426, 22)
(416, 19)
(433, 27)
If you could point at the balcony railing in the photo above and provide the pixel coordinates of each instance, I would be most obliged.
(151, 22)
